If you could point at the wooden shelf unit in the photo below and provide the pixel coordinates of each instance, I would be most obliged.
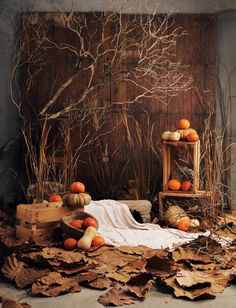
(168, 156)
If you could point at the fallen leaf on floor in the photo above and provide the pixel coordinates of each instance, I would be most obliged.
(100, 283)
(117, 296)
(11, 267)
(9, 303)
(54, 284)
(190, 254)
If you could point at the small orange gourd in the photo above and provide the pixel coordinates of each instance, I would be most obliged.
(183, 124)
(174, 185)
(186, 185)
(70, 243)
(192, 137)
(184, 224)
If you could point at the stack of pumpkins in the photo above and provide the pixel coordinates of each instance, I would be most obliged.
(184, 132)
(76, 199)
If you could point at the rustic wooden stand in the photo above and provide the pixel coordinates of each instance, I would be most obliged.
(169, 147)
(39, 222)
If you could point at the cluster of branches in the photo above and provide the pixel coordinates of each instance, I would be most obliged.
(104, 50)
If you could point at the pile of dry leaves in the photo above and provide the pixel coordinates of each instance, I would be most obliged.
(199, 269)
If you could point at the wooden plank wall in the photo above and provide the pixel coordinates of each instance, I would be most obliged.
(130, 124)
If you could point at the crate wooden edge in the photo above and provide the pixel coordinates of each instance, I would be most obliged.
(39, 213)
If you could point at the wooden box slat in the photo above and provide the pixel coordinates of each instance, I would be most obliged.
(39, 213)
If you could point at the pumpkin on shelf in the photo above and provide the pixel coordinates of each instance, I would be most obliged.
(165, 135)
(171, 136)
(192, 137)
(183, 124)
(174, 185)
(175, 136)
(76, 200)
(185, 132)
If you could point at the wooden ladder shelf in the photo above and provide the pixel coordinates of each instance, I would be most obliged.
(170, 150)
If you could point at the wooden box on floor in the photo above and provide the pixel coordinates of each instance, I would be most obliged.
(39, 222)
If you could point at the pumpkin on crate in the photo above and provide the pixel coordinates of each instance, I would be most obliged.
(76, 200)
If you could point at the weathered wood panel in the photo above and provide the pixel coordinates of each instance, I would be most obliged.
(123, 140)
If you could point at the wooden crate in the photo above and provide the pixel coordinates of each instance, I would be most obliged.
(169, 148)
(39, 222)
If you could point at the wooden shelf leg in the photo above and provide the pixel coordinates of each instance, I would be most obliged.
(161, 206)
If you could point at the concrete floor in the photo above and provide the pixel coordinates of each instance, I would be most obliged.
(88, 298)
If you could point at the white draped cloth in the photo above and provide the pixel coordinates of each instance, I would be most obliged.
(118, 227)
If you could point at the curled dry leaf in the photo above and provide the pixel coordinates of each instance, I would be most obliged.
(54, 284)
(74, 269)
(183, 254)
(117, 296)
(161, 253)
(9, 303)
(141, 284)
(11, 267)
(137, 250)
(55, 256)
(188, 294)
(187, 279)
(100, 283)
(135, 267)
(196, 285)
(27, 276)
(136, 289)
(160, 266)
(115, 257)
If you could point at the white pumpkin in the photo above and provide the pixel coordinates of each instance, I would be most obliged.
(165, 135)
(195, 223)
(175, 136)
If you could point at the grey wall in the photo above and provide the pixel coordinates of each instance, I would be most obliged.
(10, 10)
(226, 58)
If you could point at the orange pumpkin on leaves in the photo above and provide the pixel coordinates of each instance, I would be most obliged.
(183, 124)
(70, 243)
(184, 224)
(55, 198)
(192, 137)
(186, 185)
(174, 185)
(98, 241)
(77, 187)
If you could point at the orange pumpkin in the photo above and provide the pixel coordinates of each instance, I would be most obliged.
(186, 185)
(174, 185)
(76, 223)
(70, 243)
(89, 222)
(55, 198)
(184, 224)
(192, 137)
(183, 124)
(98, 241)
